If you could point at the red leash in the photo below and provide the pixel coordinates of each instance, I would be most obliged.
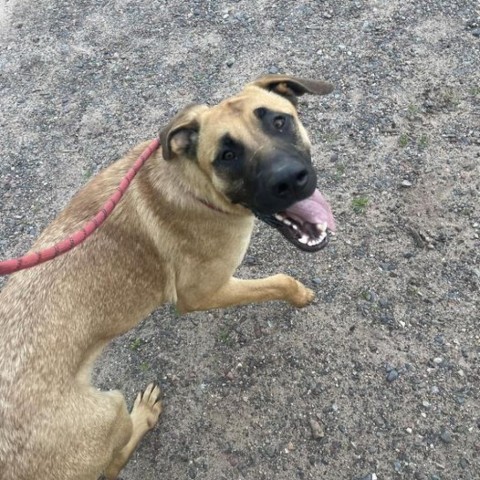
(35, 258)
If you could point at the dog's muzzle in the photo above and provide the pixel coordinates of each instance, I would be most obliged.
(286, 198)
(281, 180)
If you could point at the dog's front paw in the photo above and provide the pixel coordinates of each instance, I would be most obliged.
(147, 408)
(303, 296)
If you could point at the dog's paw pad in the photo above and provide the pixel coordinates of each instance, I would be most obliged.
(148, 406)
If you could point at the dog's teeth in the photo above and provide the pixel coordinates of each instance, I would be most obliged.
(303, 239)
(287, 222)
(322, 227)
(279, 217)
(295, 227)
(322, 236)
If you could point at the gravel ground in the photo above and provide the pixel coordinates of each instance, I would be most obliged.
(379, 378)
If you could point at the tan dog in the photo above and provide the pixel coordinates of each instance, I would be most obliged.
(177, 236)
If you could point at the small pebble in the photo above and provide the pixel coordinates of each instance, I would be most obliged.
(249, 260)
(419, 476)
(446, 437)
(370, 476)
(271, 451)
(392, 376)
(406, 183)
(389, 367)
(317, 430)
(438, 360)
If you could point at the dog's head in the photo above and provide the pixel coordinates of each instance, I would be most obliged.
(256, 153)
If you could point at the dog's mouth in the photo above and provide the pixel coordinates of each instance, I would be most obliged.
(307, 223)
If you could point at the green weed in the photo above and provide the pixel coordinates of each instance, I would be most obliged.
(136, 344)
(423, 141)
(403, 140)
(359, 205)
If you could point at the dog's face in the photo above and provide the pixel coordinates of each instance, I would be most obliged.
(256, 153)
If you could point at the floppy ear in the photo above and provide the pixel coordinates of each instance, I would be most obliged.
(292, 87)
(180, 136)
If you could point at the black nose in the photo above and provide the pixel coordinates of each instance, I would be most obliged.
(288, 181)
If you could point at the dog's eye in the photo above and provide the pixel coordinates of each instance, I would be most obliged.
(279, 122)
(228, 155)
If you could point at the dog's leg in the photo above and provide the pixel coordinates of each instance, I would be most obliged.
(144, 415)
(240, 292)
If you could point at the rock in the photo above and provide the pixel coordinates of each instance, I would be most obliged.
(317, 429)
(366, 26)
(230, 62)
(383, 303)
(317, 281)
(476, 32)
(446, 436)
(406, 183)
(372, 296)
(419, 476)
(270, 451)
(392, 376)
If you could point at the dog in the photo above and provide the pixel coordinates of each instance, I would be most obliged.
(177, 236)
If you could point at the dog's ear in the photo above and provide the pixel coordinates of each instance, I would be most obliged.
(180, 136)
(292, 87)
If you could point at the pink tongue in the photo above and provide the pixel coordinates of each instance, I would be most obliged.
(314, 209)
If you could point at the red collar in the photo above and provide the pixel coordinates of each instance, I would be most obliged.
(211, 206)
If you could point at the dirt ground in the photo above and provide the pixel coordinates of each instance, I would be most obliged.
(379, 378)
